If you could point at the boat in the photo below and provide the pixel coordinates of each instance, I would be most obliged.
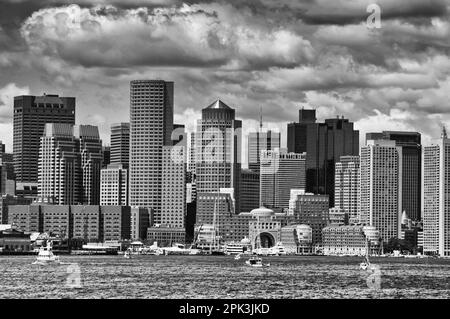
(256, 262)
(366, 263)
(127, 254)
(45, 255)
(237, 257)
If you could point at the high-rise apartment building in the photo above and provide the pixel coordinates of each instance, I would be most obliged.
(31, 113)
(218, 148)
(436, 191)
(260, 141)
(151, 125)
(346, 186)
(381, 187)
(120, 144)
(410, 142)
(279, 173)
(324, 144)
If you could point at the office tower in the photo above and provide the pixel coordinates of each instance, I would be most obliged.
(173, 212)
(7, 181)
(260, 141)
(218, 148)
(151, 125)
(412, 168)
(346, 186)
(192, 157)
(31, 113)
(249, 190)
(324, 143)
(106, 150)
(120, 144)
(381, 187)
(90, 146)
(311, 210)
(279, 173)
(59, 165)
(114, 186)
(436, 191)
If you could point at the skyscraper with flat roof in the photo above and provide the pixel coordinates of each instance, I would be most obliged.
(120, 144)
(260, 141)
(346, 194)
(151, 125)
(31, 113)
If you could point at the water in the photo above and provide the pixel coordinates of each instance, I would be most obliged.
(221, 277)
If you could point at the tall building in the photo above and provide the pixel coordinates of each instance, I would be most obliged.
(151, 125)
(436, 191)
(173, 213)
(260, 141)
(324, 143)
(280, 172)
(249, 190)
(381, 187)
(31, 113)
(218, 148)
(70, 160)
(114, 186)
(59, 165)
(90, 146)
(120, 144)
(411, 169)
(346, 186)
(106, 150)
(192, 157)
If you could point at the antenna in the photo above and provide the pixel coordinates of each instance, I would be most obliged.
(260, 119)
(444, 132)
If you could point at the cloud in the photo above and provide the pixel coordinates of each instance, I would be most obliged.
(190, 35)
(7, 94)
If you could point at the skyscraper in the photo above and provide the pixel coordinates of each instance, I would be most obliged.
(90, 146)
(218, 146)
(59, 165)
(324, 144)
(31, 113)
(412, 168)
(249, 190)
(120, 144)
(436, 191)
(381, 187)
(346, 194)
(260, 141)
(279, 173)
(114, 186)
(151, 124)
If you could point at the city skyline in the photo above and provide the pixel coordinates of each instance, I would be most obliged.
(381, 79)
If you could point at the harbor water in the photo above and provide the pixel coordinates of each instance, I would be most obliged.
(222, 277)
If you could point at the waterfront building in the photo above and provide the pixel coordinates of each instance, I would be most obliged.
(350, 240)
(6, 201)
(280, 172)
(166, 236)
(141, 219)
(31, 113)
(436, 191)
(410, 142)
(86, 222)
(151, 125)
(297, 239)
(324, 144)
(381, 187)
(312, 210)
(116, 224)
(13, 239)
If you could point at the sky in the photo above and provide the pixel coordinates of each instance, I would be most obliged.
(276, 55)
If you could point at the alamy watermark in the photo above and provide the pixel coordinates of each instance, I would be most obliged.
(374, 19)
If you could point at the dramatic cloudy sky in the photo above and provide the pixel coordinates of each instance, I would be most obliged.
(279, 55)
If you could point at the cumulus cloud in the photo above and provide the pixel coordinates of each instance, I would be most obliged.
(7, 94)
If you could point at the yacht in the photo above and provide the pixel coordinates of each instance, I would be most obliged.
(256, 262)
(45, 255)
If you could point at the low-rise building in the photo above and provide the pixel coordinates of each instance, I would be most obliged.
(350, 240)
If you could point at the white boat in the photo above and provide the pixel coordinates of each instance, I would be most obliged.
(127, 254)
(256, 262)
(46, 256)
(237, 257)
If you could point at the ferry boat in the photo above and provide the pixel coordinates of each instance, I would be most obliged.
(45, 256)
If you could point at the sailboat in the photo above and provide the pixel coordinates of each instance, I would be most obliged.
(366, 263)
(215, 249)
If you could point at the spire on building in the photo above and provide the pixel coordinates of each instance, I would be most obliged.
(260, 119)
(444, 132)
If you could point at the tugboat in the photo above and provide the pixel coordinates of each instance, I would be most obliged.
(46, 256)
(256, 262)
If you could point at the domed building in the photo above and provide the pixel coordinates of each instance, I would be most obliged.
(265, 228)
